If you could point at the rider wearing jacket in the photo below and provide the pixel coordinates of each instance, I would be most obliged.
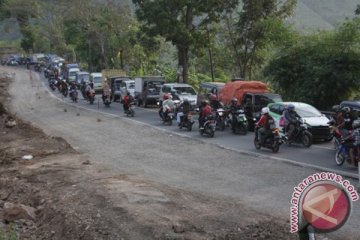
(291, 119)
(215, 104)
(126, 101)
(205, 111)
(167, 105)
(263, 124)
(184, 109)
(234, 107)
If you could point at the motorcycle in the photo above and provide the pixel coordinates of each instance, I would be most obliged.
(131, 111)
(64, 88)
(107, 100)
(336, 133)
(186, 122)
(91, 96)
(343, 152)
(74, 96)
(300, 135)
(220, 119)
(271, 141)
(241, 124)
(52, 84)
(167, 117)
(209, 127)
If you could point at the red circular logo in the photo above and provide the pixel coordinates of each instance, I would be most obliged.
(326, 207)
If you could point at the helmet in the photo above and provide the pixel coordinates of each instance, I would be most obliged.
(356, 124)
(204, 102)
(234, 100)
(185, 100)
(213, 97)
(291, 106)
(345, 109)
(170, 96)
(265, 110)
(128, 93)
(166, 96)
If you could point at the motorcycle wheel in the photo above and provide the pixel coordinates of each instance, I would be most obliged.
(189, 127)
(91, 101)
(132, 113)
(243, 129)
(211, 133)
(336, 144)
(306, 140)
(257, 143)
(339, 158)
(222, 126)
(275, 147)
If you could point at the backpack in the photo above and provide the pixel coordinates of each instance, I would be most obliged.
(271, 123)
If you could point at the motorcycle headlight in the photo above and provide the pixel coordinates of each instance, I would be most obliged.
(221, 113)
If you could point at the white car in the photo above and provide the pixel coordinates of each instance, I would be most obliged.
(127, 86)
(179, 91)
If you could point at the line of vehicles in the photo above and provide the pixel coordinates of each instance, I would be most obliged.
(149, 91)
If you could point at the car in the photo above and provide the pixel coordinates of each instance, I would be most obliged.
(96, 77)
(208, 88)
(179, 91)
(317, 123)
(115, 85)
(82, 76)
(127, 86)
(72, 74)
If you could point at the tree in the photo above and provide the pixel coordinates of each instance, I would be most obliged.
(255, 29)
(322, 69)
(180, 22)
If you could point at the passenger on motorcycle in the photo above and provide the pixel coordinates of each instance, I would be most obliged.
(126, 101)
(106, 90)
(205, 111)
(291, 118)
(184, 109)
(72, 88)
(348, 118)
(89, 87)
(168, 104)
(355, 135)
(264, 125)
(215, 104)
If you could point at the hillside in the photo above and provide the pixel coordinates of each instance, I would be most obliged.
(322, 14)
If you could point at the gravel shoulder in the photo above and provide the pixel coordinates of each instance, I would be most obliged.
(121, 179)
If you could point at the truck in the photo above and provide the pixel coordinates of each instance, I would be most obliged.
(251, 95)
(147, 89)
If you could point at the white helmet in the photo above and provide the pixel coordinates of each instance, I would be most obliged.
(265, 110)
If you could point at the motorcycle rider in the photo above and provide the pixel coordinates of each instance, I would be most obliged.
(215, 104)
(106, 90)
(291, 118)
(348, 118)
(167, 105)
(89, 87)
(205, 111)
(355, 134)
(184, 109)
(264, 125)
(73, 89)
(234, 107)
(126, 101)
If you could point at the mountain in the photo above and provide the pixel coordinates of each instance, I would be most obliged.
(310, 15)
(313, 15)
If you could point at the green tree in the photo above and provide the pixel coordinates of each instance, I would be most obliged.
(322, 69)
(254, 29)
(180, 22)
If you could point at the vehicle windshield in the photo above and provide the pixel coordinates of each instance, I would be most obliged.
(263, 100)
(185, 90)
(307, 111)
(85, 77)
(131, 86)
(72, 74)
(97, 79)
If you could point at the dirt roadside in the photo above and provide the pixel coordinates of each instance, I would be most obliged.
(67, 196)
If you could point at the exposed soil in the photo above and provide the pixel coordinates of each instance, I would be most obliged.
(74, 198)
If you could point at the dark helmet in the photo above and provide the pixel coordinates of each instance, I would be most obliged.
(128, 93)
(291, 106)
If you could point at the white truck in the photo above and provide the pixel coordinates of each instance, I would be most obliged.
(147, 89)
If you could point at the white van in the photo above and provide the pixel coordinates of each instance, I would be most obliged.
(96, 78)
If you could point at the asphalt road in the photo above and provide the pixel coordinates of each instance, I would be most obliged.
(319, 156)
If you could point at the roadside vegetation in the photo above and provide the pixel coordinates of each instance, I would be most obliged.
(197, 42)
